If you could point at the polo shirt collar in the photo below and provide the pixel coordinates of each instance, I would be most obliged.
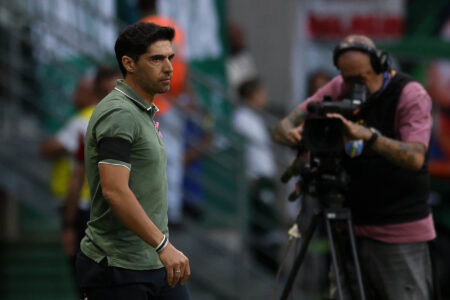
(131, 94)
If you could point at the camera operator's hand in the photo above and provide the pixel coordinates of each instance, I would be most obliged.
(294, 135)
(353, 131)
(289, 130)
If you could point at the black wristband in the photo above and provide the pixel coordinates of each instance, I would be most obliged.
(162, 245)
(369, 143)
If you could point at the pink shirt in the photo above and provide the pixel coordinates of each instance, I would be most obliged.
(413, 123)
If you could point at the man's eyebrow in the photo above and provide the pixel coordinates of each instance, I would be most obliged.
(157, 56)
(161, 56)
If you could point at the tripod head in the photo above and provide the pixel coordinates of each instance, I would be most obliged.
(320, 175)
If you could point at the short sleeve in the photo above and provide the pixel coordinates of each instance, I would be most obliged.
(413, 121)
(116, 124)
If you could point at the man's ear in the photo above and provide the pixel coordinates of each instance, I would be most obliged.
(128, 64)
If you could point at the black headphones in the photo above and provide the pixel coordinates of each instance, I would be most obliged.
(378, 59)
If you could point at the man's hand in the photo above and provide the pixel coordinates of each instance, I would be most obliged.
(353, 131)
(176, 263)
(288, 134)
(289, 130)
(409, 155)
(114, 180)
(294, 135)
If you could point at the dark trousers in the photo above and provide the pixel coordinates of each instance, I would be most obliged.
(99, 281)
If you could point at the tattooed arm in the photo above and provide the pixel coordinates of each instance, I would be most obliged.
(289, 129)
(409, 155)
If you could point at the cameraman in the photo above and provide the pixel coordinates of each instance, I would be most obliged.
(389, 184)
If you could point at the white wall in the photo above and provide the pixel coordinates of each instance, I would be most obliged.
(270, 27)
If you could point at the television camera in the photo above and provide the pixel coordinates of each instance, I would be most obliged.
(319, 165)
(323, 138)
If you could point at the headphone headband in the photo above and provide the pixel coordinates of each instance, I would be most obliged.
(378, 58)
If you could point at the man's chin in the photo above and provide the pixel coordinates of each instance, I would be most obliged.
(164, 90)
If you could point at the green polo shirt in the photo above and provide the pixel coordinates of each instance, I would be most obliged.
(124, 114)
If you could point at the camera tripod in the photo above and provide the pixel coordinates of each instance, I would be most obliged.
(332, 212)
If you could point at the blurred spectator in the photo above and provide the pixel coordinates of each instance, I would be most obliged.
(260, 169)
(317, 80)
(198, 139)
(65, 142)
(438, 81)
(240, 65)
(247, 120)
(68, 146)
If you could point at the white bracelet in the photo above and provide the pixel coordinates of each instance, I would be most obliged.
(162, 245)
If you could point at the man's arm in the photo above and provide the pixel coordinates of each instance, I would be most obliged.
(52, 148)
(409, 155)
(69, 235)
(289, 129)
(65, 141)
(114, 182)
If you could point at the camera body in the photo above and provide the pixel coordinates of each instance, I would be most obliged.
(321, 171)
(322, 135)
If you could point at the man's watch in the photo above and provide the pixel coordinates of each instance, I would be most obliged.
(373, 138)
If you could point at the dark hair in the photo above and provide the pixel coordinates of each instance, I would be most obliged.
(136, 38)
(248, 87)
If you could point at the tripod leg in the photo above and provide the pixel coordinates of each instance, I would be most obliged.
(334, 258)
(355, 259)
(301, 256)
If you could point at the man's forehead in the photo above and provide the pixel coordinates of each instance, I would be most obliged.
(163, 47)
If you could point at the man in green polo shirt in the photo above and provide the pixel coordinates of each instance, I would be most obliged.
(126, 253)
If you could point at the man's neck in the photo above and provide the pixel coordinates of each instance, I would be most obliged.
(148, 98)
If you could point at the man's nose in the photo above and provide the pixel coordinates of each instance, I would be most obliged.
(168, 68)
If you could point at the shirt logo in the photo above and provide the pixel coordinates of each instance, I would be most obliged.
(157, 128)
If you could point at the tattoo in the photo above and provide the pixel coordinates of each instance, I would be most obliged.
(410, 155)
(281, 132)
(284, 127)
(296, 116)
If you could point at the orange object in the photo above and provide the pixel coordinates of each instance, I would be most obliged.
(162, 102)
(179, 64)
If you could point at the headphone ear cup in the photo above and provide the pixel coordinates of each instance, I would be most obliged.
(384, 61)
(336, 53)
(375, 62)
(380, 61)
